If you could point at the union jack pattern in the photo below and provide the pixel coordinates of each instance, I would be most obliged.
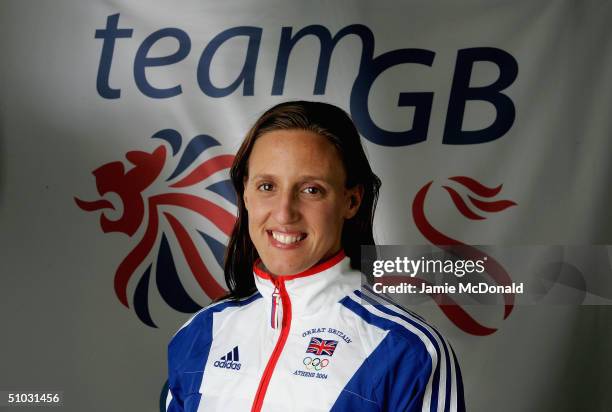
(320, 346)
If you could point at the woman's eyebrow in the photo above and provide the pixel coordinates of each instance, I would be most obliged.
(313, 177)
(265, 176)
(261, 176)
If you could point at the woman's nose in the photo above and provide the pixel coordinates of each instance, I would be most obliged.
(287, 210)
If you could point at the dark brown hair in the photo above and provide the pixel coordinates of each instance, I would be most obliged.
(326, 120)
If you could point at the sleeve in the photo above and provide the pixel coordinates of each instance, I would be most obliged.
(174, 403)
(178, 350)
(429, 380)
(195, 333)
(174, 400)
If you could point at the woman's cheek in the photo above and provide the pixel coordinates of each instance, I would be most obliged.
(259, 209)
(326, 216)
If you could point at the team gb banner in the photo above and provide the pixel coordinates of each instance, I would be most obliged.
(487, 122)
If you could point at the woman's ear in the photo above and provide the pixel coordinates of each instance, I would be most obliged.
(245, 198)
(244, 193)
(354, 198)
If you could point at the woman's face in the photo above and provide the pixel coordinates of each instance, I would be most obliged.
(296, 199)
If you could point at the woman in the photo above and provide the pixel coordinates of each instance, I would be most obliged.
(298, 331)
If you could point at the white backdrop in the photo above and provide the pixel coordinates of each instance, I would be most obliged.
(73, 320)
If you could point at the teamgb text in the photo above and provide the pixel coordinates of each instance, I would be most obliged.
(369, 69)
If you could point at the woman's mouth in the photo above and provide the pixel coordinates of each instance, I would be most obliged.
(284, 240)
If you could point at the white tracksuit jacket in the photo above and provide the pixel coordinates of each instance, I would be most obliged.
(315, 341)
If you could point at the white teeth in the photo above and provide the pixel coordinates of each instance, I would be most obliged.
(286, 239)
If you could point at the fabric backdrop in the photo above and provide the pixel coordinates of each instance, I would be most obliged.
(119, 119)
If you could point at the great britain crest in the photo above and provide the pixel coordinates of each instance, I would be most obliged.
(158, 191)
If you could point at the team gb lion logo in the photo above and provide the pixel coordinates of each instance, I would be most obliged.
(158, 193)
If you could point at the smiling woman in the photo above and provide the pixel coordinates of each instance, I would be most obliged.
(296, 200)
(297, 320)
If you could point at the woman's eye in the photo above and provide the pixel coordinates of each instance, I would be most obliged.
(265, 187)
(311, 190)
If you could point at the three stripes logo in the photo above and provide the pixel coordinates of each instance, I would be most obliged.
(231, 360)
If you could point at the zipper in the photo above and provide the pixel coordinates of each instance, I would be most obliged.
(275, 315)
(280, 293)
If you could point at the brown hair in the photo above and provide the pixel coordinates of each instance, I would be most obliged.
(326, 120)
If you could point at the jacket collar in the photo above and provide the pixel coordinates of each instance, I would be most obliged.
(315, 288)
(318, 268)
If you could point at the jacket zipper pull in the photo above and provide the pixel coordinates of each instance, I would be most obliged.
(276, 306)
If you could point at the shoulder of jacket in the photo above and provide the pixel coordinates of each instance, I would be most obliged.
(404, 327)
(196, 333)
(202, 316)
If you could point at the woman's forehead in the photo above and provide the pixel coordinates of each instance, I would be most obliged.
(294, 152)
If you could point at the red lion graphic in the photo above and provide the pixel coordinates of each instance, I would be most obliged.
(129, 186)
(451, 309)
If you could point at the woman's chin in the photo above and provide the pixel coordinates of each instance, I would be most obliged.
(287, 266)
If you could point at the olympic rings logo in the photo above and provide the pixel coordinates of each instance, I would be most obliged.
(315, 363)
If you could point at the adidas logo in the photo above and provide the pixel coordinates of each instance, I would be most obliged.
(230, 360)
